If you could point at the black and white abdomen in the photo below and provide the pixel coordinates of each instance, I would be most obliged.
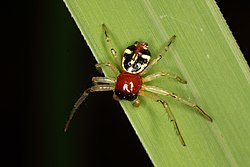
(136, 58)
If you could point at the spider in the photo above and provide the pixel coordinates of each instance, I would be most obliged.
(130, 83)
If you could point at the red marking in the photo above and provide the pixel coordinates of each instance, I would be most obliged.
(139, 48)
(128, 83)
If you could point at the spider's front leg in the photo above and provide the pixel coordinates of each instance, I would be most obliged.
(167, 109)
(107, 86)
(160, 91)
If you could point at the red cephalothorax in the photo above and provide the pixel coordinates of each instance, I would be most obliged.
(128, 86)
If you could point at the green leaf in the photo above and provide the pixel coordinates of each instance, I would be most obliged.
(204, 53)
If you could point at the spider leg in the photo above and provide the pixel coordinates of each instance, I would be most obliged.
(103, 80)
(158, 58)
(167, 109)
(111, 66)
(95, 88)
(160, 74)
(161, 91)
(109, 42)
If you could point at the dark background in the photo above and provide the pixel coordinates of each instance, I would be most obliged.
(45, 66)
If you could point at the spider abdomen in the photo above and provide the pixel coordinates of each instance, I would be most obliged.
(128, 86)
(136, 58)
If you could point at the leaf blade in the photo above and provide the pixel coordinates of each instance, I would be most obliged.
(204, 53)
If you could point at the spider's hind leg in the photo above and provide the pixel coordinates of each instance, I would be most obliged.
(115, 70)
(158, 58)
(109, 43)
(161, 74)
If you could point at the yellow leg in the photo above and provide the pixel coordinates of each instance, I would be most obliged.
(167, 109)
(110, 45)
(160, 74)
(158, 58)
(95, 88)
(111, 66)
(161, 91)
